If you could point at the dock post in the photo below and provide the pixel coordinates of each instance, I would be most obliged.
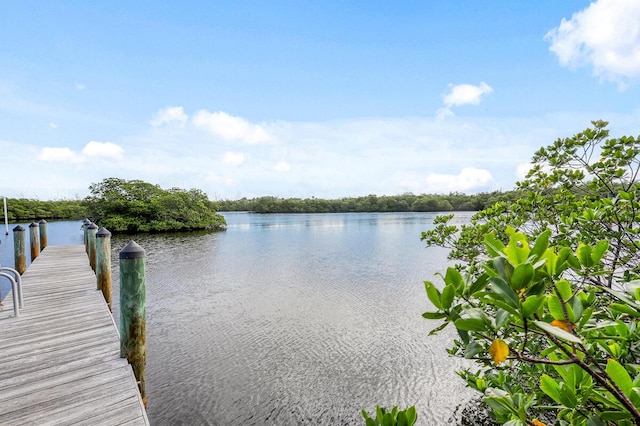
(85, 223)
(92, 229)
(19, 250)
(133, 295)
(35, 240)
(42, 225)
(103, 264)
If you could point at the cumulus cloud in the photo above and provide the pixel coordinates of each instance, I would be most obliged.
(102, 149)
(522, 169)
(468, 179)
(282, 166)
(230, 128)
(233, 158)
(170, 115)
(59, 155)
(605, 36)
(92, 150)
(462, 94)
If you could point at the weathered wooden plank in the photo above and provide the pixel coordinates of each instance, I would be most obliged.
(60, 358)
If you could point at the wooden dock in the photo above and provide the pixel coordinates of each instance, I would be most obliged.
(60, 359)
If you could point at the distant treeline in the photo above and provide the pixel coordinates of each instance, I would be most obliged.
(26, 210)
(371, 203)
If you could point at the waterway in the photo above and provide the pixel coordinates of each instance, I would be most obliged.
(291, 320)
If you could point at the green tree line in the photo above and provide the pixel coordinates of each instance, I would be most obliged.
(407, 202)
(24, 210)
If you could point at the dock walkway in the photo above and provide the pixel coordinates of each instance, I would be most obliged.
(60, 359)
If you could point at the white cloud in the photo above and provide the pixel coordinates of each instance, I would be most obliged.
(170, 115)
(59, 155)
(53, 125)
(522, 169)
(80, 86)
(102, 149)
(606, 36)
(233, 158)
(282, 166)
(468, 179)
(466, 94)
(231, 128)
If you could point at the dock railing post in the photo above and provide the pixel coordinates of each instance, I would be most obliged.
(103, 264)
(42, 225)
(92, 229)
(19, 250)
(35, 240)
(133, 311)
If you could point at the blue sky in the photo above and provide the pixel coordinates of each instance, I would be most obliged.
(301, 99)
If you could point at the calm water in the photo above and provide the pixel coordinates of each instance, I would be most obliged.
(291, 320)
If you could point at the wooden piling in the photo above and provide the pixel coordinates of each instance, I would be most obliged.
(103, 264)
(133, 311)
(85, 223)
(34, 240)
(92, 229)
(19, 250)
(42, 225)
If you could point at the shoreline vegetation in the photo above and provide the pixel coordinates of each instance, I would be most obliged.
(25, 209)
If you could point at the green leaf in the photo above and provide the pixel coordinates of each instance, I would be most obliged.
(370, 422)
(594, 421)
(621, 377)
(541, 244)
(502, 317)
(470, 324)
(493, 245)
(473, 349)
(433, 294)
(387, 420)
(551, 388)
(522, 276)
(453, 277)
(558, 332)
(500, 287)
(584, 253)
(568, 396)
(555, 307)
(577, 309)
(564, 288)
(412, 416)
(447, 296)
(613, 416)
(434, 315)
(531, 305)
(401, 419)
(624, 309)
(599, 250)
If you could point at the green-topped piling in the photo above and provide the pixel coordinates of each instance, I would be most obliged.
(133, 311)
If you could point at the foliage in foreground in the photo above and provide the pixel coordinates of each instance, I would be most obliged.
(393, 417)
(129, 206)
(546, 297)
